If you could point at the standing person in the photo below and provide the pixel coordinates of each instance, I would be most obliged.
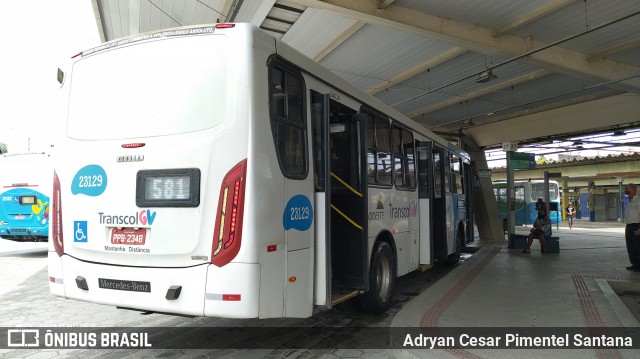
(631, 230)
(571, 211)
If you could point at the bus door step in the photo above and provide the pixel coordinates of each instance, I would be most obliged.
(340, 295)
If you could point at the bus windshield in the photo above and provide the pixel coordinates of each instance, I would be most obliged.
(134, 91)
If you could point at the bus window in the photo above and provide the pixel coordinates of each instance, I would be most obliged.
(519, 194)
(437, 175)
(456, 173)
(287, 120)
(378, 151)
(404, 166)
(502, 195)
(317, 118)
(447, 174)
(344, 161)
(422, 150)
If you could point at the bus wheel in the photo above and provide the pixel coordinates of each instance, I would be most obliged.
(459, 243)
(382, 280)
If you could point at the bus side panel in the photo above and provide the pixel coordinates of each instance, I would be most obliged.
(56, 283)
(265, 205)
(415, 250)
(299, 295)
(320, 250)
(451, 224)
(425, 231)
(298, 216)
(404, 223)
(378, 212)
(232, 292)
(403, 252)
(460, 213)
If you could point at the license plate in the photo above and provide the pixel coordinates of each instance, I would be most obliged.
(128, 236)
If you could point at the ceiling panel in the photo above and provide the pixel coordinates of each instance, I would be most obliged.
(378, 54)
(487, 13)
(315, 30)
(582, 16)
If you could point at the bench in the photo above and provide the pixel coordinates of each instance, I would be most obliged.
(519, 241)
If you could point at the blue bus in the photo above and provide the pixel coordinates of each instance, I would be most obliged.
(24, 197)
(526, 195)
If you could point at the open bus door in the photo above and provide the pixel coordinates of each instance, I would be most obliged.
(425, 173)
(439, 161)
(338, 150)
(468, 182)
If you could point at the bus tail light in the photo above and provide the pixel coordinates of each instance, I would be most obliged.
(56, 223)
(228, 227)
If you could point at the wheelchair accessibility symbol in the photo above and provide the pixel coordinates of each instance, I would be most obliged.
(80, 228)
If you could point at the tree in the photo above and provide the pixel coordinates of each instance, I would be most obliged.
(541, 160)
(3, 148)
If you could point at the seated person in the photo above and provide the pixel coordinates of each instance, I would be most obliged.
(539, 229)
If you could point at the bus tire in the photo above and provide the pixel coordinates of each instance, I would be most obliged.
(381, 281)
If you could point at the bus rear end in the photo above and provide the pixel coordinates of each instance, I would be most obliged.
(24, 196)
(149, 184)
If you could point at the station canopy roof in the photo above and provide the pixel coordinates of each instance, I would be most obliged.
(530, 71)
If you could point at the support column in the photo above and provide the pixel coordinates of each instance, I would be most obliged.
(565, 199)
(485, 207)
(592, 202)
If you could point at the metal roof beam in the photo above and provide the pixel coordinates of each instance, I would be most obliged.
(261, 13)
(546, 9)
(609, 112)
(631, 44)
(484, 91)
(383, 4)
(98, 17)
(338, 40)
(227, 9)
(446, 56)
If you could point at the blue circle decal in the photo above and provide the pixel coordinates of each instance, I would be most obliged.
(298, 213)
(90, 180)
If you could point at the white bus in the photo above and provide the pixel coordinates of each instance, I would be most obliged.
(215, 171)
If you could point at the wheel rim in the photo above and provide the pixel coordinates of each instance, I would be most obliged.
(383, 277)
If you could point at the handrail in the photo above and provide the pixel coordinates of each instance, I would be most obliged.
(346, 185)
(346, 217)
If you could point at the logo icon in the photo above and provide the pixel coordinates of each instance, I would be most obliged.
(80, 231)
(146, 217)
(23, 337)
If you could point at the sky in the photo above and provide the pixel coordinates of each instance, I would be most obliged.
(36, 38)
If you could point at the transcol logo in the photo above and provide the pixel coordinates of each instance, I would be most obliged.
(410, 211)
(144, 217)
(413, 208)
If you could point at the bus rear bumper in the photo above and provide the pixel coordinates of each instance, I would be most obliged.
(202, 290)
(233, 291)
(24, 233)
(54, 266)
